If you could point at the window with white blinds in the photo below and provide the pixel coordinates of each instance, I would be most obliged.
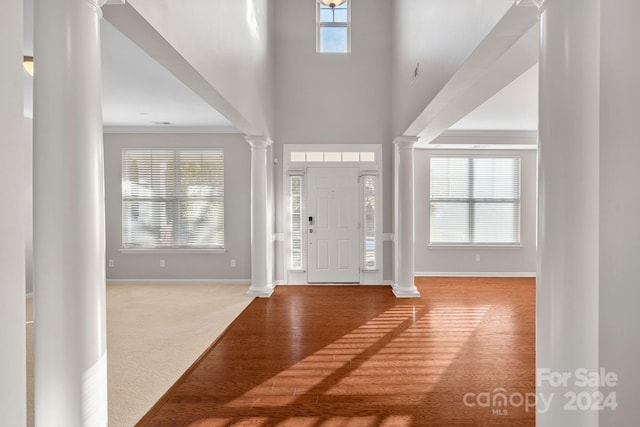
(296, 218)
(475, 200)
(172, 199)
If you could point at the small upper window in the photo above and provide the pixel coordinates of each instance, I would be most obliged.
(333, 19)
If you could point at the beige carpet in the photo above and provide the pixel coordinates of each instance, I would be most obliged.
(154, 333)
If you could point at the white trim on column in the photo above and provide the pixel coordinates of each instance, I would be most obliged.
(540, 4)
(261, 236)
(96, 5)
(404, 246)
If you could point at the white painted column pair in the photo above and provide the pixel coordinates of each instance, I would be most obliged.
(69, 227)
(261, 219)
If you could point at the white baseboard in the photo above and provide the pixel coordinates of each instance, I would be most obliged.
(474, 274)
(179, 281)
(281, 283)
(278, 282)
(389, 283)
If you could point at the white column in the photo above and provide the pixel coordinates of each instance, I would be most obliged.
(261, 238)
(568, 209)
(13, 400)
(404, 286)
(69, 243)
(619, 207)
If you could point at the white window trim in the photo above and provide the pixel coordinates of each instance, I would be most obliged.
(303, 235)
(377, 222)
(471, 245)
(170, 250)
(346, 25)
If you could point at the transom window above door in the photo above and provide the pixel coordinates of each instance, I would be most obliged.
(333, 156)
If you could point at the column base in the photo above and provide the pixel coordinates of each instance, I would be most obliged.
(260, 292)
(405, 292)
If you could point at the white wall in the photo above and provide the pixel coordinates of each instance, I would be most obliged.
(439, 35)
(333, 98)
(619, 207)
(12, 243)
(462, 261)
(228, 43)
(201, 266)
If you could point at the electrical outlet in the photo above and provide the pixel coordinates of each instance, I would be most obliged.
(478, 257)
(233, 263)
(162, 263)
(111, 263)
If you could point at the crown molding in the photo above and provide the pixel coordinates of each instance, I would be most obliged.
(170, 129)
(471, 133)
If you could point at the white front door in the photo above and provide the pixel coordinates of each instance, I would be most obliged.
(333, 235)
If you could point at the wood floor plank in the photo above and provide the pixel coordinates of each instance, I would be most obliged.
(357, 356)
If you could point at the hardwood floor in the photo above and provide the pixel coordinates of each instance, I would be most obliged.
(357, 356)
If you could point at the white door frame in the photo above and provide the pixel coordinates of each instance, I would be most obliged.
(296, 159)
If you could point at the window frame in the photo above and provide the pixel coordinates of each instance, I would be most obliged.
(517, 204)
(372, 225)
(320, 25)
(297, 236)
(176, 198)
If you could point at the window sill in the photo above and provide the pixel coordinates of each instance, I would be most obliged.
(172, 251)
(474, 246)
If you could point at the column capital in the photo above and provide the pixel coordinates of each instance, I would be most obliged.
(258, 141)
(405, 141)
(540, 4)
(96, 5)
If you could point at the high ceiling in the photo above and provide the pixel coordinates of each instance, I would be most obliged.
(139, 95)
